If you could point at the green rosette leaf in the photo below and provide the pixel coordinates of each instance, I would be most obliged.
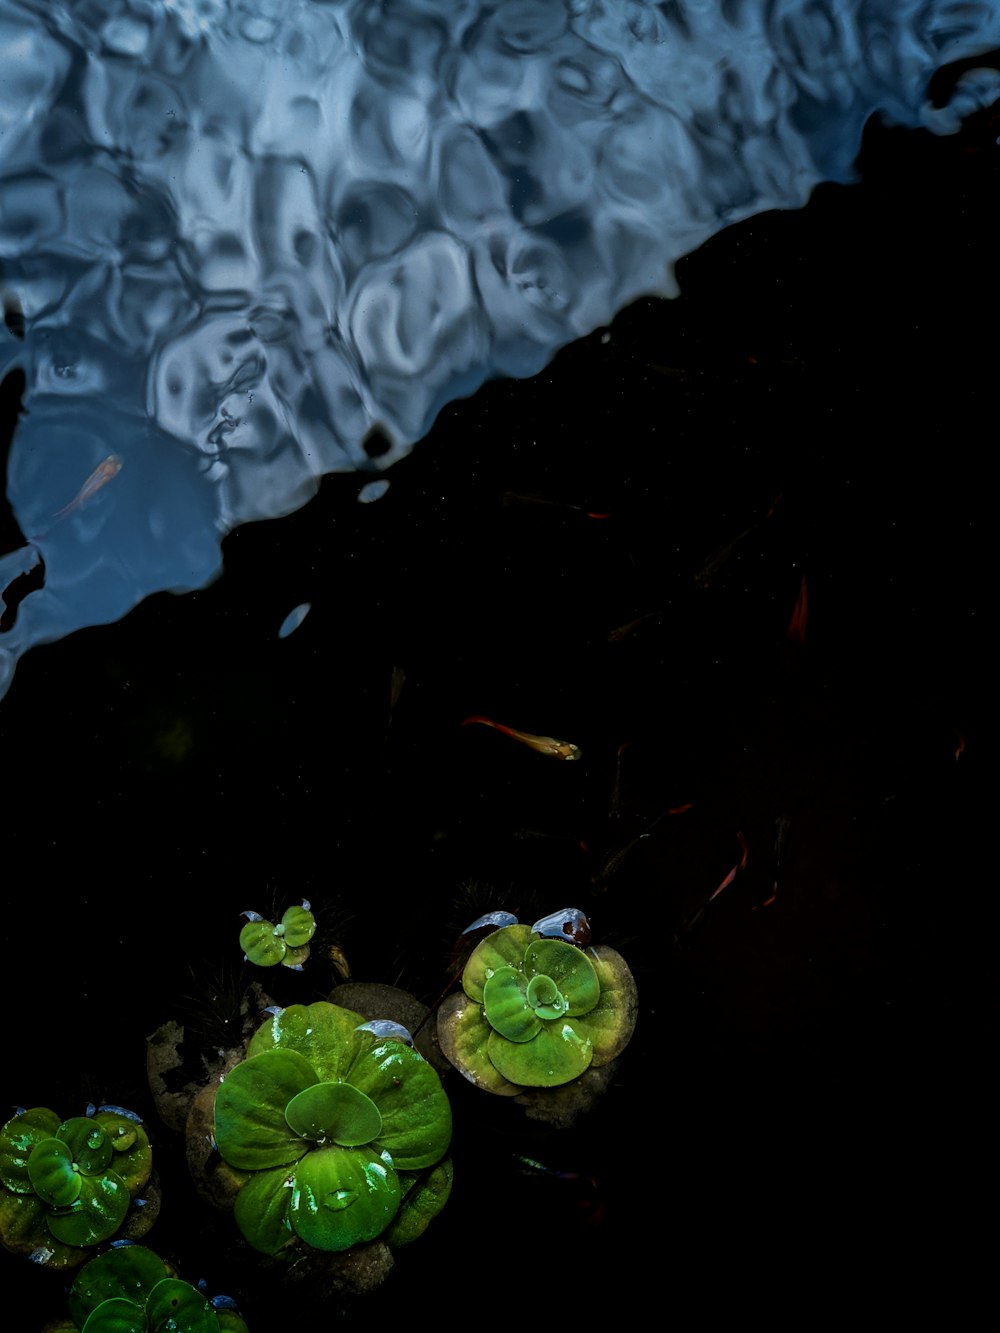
(570, 969)
(260, 944)
(132, 1156)
(295, 957)
(300, 926)
(18, 1138)
(424, 1196)
(24, 1230)
(415, 1111)
(504, 948)
(507, 1009)
(230, 1322)
(97, 1213)
(261, 1209)
(174, 1306)
(117, 1315)
(250, 1126)
(611, 1022)
(342, 1196)
(557, 1055)
(334, 1111)
(87, 1141)
(53, 1175)
(463, 1033)
(322, 1032)
(119, 1273)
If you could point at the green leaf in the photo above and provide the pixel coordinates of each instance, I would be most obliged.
(300, 926)
(545, 998)
(17, 1139)
(230, 1322)
(261, 1209)
(52, 1175)
(611, 1022)
(116, 1315)
(557, 1055)
(177, 1307)
(97, 1213)
(322, 1032)
(570, 969)
(415, 1111)
(506, 1005)
(334, 1111)
(504, 948)
(295, 957)
(423, 1198)
(250, 1126)
(342, 1196)
(88, 1143)
(127, 1271)
(24, 1230)
(260, 944)
(132, 1156)
(464, 1035)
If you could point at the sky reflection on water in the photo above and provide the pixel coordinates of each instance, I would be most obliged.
(254, 243)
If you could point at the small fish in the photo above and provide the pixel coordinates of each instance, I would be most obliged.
(543, 744)
(574, 1189)
(623, 631)
(720, 557)
(687, 926)
(101, 475)
(518, 500)
(800, 614)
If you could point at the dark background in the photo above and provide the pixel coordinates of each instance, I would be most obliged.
(806, 1102)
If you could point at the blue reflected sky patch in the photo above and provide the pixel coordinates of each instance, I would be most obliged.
(241, 237)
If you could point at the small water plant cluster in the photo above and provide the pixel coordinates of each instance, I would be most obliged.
(129, 1289)
(539, 1006)
(71, 1184)
(267, 944)
(337, 1134)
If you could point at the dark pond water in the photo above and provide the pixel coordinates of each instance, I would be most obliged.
(806, 1090)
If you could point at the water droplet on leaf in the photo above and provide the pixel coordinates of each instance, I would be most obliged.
(340, 1199)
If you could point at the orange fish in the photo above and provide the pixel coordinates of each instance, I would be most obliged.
(543, 744)
(100, 476)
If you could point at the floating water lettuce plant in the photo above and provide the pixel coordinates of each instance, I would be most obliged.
(69, 1184)
(267, 944)
(130, 1289)
(536, 1010)
(340, 1133)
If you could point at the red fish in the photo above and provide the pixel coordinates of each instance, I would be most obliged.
(800, 615)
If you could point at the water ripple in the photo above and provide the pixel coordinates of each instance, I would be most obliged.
(243, 233)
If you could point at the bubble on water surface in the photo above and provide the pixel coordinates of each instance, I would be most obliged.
(242, 239)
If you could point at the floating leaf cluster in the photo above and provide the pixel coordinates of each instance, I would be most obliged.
(130, 1289)
(267, 944)
(69, 1184)
(339, 1133)
(538, 1011)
